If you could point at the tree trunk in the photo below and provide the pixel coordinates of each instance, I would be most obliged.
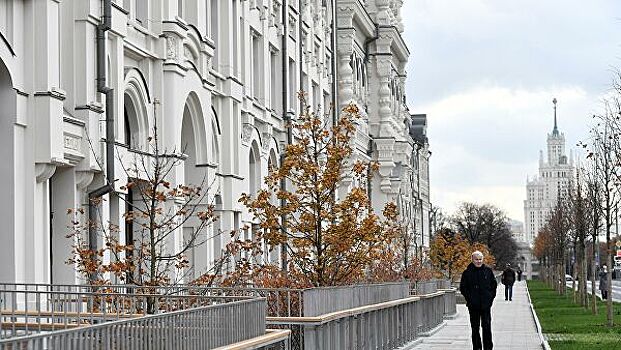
(574, 290)
(593, 279)
(609, 308)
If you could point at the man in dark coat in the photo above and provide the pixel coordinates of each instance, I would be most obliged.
(519, 273)
(508, 278)
(478, 286)
(603, 282)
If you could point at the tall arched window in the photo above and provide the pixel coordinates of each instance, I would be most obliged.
(7, 174)
(130, 123)
(252, 172)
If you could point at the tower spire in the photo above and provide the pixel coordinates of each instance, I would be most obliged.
(555, 130)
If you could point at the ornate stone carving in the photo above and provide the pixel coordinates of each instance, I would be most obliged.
(71, 142)
(172, 51)
(385, 150)
(247, 133)
(266, 139)
(383, 12)
(384, 98)
(274, 18)
(345, 71)
(397, 5)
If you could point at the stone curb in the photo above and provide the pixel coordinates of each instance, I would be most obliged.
(544, 342)
(433, 331)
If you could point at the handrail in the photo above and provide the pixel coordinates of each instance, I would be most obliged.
(211, 326)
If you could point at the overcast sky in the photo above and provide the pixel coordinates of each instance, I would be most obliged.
(485, 73)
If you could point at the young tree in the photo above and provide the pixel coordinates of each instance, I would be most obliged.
(449, 253)
(152, 249)
(579, 220)
(559, 227)
(542, 251)
(330, 240)
(594, 207)
(605, 151)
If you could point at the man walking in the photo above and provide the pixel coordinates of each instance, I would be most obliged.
(508, 278)
(603, 282)
(478, 286)
(519, 273)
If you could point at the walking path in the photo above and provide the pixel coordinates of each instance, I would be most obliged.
(513, 326)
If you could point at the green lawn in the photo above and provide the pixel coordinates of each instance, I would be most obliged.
(569, 326)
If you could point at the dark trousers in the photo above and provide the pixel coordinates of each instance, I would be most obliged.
(508, 291)
(604, 294)
(481, 318)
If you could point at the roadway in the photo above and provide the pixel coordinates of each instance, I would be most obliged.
(616, 289)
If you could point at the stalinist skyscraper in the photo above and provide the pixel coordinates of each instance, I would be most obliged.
(544, 190)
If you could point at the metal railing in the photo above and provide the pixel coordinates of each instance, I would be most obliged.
(450, 302)
(319, 301)
(424, 287)
(205, 327)
(280, 301)
(350, 317)
(387, 325)
(24, 312)
(432, 312)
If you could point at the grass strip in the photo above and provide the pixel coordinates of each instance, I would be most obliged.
(567, 325)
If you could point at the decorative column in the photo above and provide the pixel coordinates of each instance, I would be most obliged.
(345, 72)
(383, 12)
(384, 99)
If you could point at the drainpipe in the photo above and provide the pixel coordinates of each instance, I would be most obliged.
(429, 195)
(102, 28)
(300, 54)
(287, 119)
(419, 199)
(335, 101)
(369, 173)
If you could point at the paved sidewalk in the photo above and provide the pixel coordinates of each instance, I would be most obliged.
(513, 326)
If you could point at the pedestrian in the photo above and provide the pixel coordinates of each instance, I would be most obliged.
(603, 282)
(478, 286)
(508, 278)
(519, 273)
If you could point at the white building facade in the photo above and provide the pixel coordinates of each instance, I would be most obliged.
(544, 191)
(83, 82)
(517, 231)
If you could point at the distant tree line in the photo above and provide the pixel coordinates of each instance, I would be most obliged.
(473, 226)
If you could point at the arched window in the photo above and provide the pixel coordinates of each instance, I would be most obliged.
(253, 171)
(130, 123)
(135, 122)
(7, 173)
